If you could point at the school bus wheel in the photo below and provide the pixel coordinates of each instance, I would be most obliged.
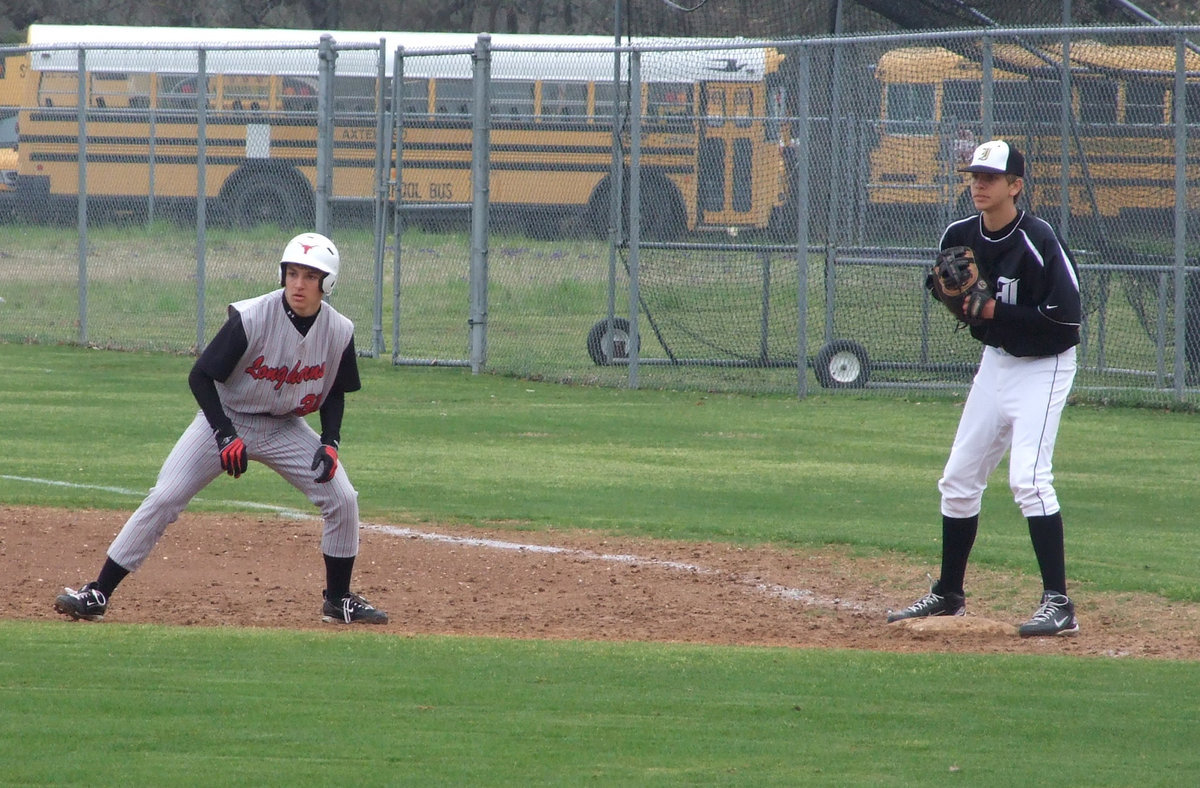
(663, 217)
(279, 197)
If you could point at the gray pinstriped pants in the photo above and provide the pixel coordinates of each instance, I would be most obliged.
(284, 444)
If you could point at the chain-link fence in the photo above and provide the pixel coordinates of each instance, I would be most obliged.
(536, 204)
(105, 240)
(1107, 120)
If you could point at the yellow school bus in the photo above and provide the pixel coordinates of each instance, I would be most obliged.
(712, 126)
(1122, 133)
(12, 75)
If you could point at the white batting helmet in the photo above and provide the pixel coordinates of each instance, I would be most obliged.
(315, 251)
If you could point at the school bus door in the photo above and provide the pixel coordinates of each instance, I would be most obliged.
(730, 138)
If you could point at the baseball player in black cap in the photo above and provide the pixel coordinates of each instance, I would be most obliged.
(1029, 331)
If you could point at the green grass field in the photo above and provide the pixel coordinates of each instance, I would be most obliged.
(172, 705)
(709, 308)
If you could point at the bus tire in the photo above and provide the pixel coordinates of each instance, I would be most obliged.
(605, 346)
(544, 224)
(281, 198)
(663, 216)
(842, 364)
(598, 210)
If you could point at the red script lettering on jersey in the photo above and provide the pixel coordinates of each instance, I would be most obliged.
(280, 375)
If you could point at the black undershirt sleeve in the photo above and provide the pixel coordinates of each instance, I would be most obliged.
(216, 363)
(335, 404)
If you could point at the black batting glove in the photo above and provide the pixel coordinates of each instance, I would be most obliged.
(325, 459)
(233, 454)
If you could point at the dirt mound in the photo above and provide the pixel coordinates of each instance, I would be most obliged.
(266, 571)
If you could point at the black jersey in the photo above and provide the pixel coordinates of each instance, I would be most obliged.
(1038, 308)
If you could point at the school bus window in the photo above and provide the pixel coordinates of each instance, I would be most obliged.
(453, 97)
(115, 90)
(355, 95)
(669, 107)
(714, 110)
(909, 103)
(58, 89)
(107, 87)
(245, 92)
(743, 107)
(1011, 99)
(512, 100)
(1144, 102)
(1192, 104)
(299, 94)
(776, 109)
(1097, 101)
(564, 99)
(416, 97)
(604, 99)
(8, 128)
(177, 92)
(961, 100)
(1025, 100)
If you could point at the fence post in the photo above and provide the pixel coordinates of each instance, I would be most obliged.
(381, 187)
(616, 197)
(987, 93)
(327, 57)
(834, 218)
(635, 208)
(802, 139)
(1181, 217)
(480, 148)
(397, 143)
(81, 203)
(1064, 119)
(201, 188)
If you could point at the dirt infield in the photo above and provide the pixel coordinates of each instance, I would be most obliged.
(266, 571)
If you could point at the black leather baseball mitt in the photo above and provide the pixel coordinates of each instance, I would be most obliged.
(955, 280)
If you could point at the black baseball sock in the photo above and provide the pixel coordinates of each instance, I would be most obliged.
(111, 575)
(337, 576)
(958, 537)
(1046, 533)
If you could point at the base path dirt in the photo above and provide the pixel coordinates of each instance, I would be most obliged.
(266, 571)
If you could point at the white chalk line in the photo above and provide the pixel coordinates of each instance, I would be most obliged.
(804, 595)
(773, 589)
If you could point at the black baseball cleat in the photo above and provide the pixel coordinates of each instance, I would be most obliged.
(87, 603)
(351, 609)
(1055, 616)
(932, 604)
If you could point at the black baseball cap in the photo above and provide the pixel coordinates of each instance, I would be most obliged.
(997, 156)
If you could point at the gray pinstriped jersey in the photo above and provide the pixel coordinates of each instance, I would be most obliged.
(283, 373)
(281, 377)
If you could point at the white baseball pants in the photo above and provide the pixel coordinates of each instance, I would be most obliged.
(1015, 404)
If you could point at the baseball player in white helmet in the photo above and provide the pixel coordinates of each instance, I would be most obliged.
(1029, 332)
(278, 358)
